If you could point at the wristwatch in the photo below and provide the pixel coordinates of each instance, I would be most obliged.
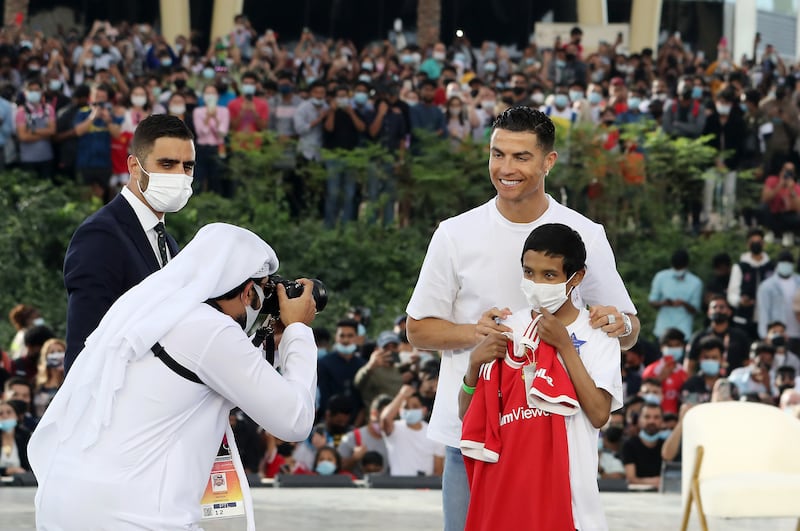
(626, 320)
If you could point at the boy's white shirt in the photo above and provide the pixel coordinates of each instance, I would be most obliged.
(601, 356)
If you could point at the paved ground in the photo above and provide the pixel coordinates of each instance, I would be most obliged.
(401, 510)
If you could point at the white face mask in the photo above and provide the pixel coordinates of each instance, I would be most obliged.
(138, 101)
(548, 296)
(252, 314)
(177, 109)
(166, 192)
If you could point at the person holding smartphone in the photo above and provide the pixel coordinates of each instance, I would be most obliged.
(381, 374)
(780, 204)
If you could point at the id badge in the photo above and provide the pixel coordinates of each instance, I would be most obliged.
(223, 497)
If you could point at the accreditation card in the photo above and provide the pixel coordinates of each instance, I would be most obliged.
(223, 496)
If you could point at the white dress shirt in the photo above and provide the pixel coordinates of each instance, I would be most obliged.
(147, 219)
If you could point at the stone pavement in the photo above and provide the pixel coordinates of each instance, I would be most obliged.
(286, 509)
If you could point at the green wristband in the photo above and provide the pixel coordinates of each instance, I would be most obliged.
(466, 388)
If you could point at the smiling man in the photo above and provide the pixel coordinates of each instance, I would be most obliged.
(472, 266)
(125, 241)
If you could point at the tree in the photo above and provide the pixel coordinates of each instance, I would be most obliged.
(429, 19)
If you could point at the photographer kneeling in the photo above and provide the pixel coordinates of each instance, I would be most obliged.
(129, 440)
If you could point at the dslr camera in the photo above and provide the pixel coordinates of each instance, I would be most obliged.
(293, 290)
(270, 309)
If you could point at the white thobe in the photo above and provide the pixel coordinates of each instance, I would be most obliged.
(150, 466)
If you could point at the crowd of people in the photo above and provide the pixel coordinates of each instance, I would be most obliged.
(71, 103)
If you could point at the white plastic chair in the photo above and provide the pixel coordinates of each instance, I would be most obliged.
(740, 460)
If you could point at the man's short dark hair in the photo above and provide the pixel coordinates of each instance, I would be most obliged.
(671, 334)
(776, 323)
(340, 404)
(710, 343)
(154, 127)
(348, 323)
(18, 380)
(786, 371)
(82, 92)
(250, 75)
(755, 231)
(427, 83)
(721, 259)
(651, 381)
(558, 240)
(680, 259)
(317, 83)
(522, 119)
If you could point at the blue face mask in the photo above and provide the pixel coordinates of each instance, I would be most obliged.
(595, 98)
(784, 269)
(561, 100)
(345, 349)
(411, 416)
(325, 468)
(208, 73)
(664, 434)
(697, 92)
(8, 424)
(633, 103)
(560, 63)
(652, 398)
(646, 437)
(709, 367)
(360, 98)
(248, 89)
(97, 49)
(322, 352)
(675, 352)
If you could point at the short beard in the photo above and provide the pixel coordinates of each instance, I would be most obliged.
(241, 320)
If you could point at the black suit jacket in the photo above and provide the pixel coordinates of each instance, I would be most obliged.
(108, 255)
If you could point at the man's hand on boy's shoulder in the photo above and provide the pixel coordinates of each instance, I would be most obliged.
(553, 332)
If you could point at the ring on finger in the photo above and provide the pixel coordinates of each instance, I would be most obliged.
(611, 318)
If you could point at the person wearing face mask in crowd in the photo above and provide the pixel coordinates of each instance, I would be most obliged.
(560, 112)
(368, 438)
(753, 268)
(786, 380)
(784, 352)
(36, 124)
(126, 240)
(50, 375)
(668, 371)
(13, 441)
(381, 374)
(634, 113)
(249, 114)
(166, 365)
(433, 65)
(337, 369)
(711, 362)
(328, 462)
(677, 294)
(774, 299)
(756, 377)
(458, 124)
(308, 123)
(729, 130)
(211, 123)
(343, 127)
(567, 410)
(641, 455)
(779, 211)
(95, 126)
(410, 451)
(736, 341)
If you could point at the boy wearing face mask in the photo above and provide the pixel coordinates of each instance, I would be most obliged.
(410, 451)
(668, 371)
(697, 388)
(586, 368)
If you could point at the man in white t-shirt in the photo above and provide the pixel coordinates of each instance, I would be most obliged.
(410, 451)
(472, 264)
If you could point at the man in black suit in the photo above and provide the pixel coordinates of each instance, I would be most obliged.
(125, 241)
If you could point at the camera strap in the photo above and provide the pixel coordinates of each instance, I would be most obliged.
(176, 367)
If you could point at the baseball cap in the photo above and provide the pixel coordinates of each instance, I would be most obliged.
(386, 337)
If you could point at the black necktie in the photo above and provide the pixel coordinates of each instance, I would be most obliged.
(162, 242)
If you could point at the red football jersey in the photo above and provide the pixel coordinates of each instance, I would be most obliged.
(528, 485)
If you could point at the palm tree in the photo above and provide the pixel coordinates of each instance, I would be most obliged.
(429, 18)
